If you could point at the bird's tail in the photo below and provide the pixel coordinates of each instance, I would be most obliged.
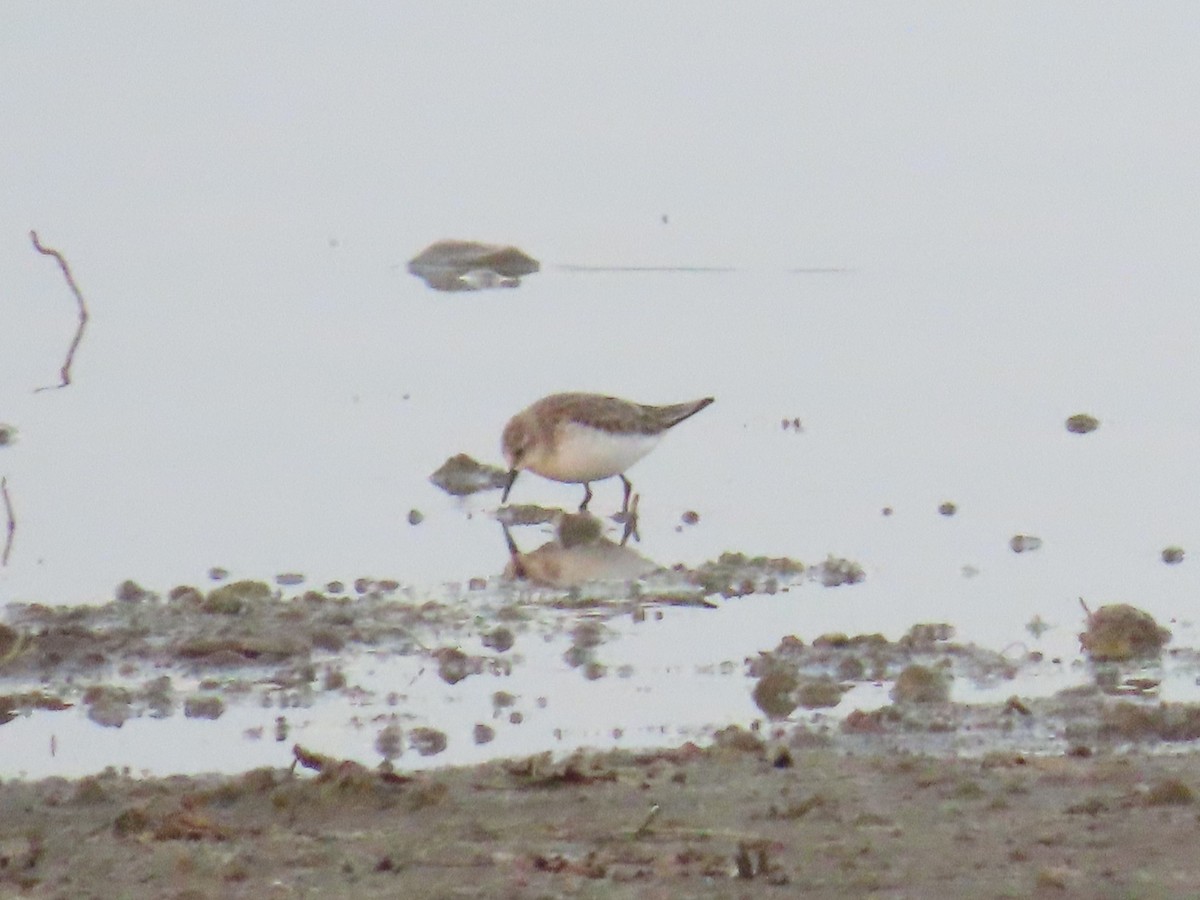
(675, 414)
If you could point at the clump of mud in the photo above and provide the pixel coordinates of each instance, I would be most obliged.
(1082, 423)
(1023, 543)
(1120, 632)
(461, 475)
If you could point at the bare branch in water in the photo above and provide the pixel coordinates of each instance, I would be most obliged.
(65, 371)
(12, 522)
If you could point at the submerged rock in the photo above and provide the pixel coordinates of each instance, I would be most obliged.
(461, 475)
(471, 266)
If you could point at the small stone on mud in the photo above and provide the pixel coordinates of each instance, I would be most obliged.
(1020, 543)
(231, 599)
(774, 693)
(500, 640)
(129, 591)
(1082, 423)
(203, 707)
(415, 517)
(289, 579)
(461, 475)
(389, 743)
(453, 664)
(108, 706)
(1120, 631)
(483, 734)
(948, 508)
(920, 684)
(1172, 555)
(819, 693)
(185, 593)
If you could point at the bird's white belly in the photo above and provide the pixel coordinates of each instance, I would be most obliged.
(589, 454)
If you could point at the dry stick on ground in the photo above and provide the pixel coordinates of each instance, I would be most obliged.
(12, 522)
(65, 371)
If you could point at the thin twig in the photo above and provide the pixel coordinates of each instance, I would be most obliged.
(12, 522)
(65, 371)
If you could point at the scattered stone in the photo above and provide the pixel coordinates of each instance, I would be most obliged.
(819, 693)
(920, 684)
(389, 743)
(500, 639)
(1020, 543)
(453, 265)
(453, 664)
(8, 434)
(835, 572)
(461, 475)
(129, 591)
(185, 593)
(335, 587)
(1082, 423)
(231, 599)
(1172, 555)
(483, 734)
(289, 579)
(947, 508)
(1120, 631)
(216, 573)
(427, 741)
(691, 517)
(108, 706)
(203, 707)
(887, 511)
(415, 517)
(775, 693)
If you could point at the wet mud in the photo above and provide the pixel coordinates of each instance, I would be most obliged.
(824, 793)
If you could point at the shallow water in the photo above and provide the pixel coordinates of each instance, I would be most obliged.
(929, 236)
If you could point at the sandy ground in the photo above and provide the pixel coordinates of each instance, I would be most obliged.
(740, 819)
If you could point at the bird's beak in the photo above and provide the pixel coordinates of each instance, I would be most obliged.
(512, 476)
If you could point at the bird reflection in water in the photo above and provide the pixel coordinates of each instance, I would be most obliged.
(578, 554)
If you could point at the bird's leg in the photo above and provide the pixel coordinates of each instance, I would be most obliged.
(631, 522)
(587, 497)
(628, 489)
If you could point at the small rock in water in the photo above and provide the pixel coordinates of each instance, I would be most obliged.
(216, 573)
(8, 434)
(461, 475)
(203, 707)
(471, 266)
(1020, 543)
(289, 579)
(129, 591)
(691, 517)
(1172, 555)
(1082, 423)
(1120, 631)
(948, 508)
(920, 684)
(427, 741)
(389, 743)
(415, 517)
